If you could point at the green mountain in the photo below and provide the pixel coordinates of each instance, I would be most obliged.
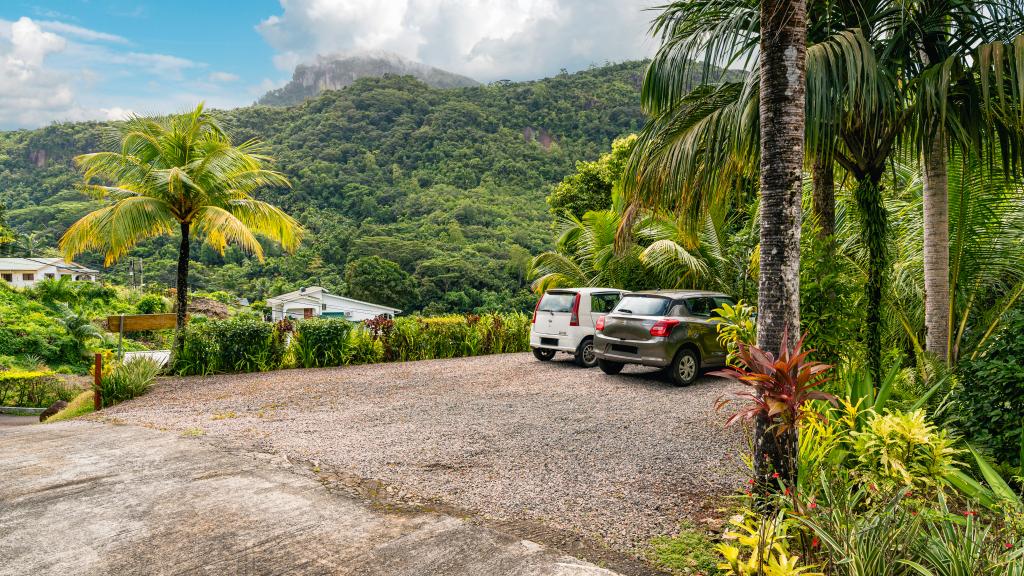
(437, 194)
(337, 72)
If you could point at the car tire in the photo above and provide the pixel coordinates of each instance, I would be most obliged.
(585, 356)
(609, 367)
(685, 367)
(543, 354)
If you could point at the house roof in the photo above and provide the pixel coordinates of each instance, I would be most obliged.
(318, 293)
(34, 264)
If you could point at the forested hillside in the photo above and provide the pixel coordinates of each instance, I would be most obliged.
(417, 197)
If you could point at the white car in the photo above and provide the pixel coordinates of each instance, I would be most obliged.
(564, 320)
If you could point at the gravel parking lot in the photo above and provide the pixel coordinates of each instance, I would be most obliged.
(609, 460)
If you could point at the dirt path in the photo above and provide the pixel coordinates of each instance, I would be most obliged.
(541, 447)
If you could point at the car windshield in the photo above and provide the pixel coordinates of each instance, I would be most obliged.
(557, 302)
(643, 305)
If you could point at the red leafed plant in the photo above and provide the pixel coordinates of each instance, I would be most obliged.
(779, 386)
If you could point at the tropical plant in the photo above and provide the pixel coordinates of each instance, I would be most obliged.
(758, 545)
(737, 326)
(129, 380)
(902, 449)
(77, 326)
(321, 342)
(778, 388)
(180, 172)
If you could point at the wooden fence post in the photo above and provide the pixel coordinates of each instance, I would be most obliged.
(97, 398)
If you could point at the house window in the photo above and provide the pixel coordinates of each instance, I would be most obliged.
(323, 306)
(7, 277)
(28, 277)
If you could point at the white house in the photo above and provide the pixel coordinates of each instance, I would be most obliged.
(315, 301)
(26, 272)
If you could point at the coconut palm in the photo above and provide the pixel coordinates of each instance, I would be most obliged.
(178, 173)
(867, 93)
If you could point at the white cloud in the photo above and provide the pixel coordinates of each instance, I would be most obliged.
(79, 32)
(222, 77)
(485, 39)
(53, 71)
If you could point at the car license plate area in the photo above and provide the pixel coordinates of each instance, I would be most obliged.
(549, 341)
(624, 348)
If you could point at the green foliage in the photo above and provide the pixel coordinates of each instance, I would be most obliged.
(27, 327)
(128, 380)
(379, 280)
(689, 552)
(991, 393)
(758, 545)
(152, 304)
(33, 388)
(902, 449)
(590, 186)
(321, 342)
(239, 344)
(737, 326)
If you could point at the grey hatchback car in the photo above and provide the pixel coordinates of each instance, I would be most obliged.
(670, 329)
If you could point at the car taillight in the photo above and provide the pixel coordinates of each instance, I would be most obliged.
(535, 308)
(663, 327)
(574, 320)
(600, 324)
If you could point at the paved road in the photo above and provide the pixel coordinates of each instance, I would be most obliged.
(88, 498)
(7, 420)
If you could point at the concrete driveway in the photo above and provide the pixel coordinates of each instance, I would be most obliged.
(90, 498)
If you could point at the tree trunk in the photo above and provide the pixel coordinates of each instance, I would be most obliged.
(782, 62)
(873, 230)
(182, 293)
(825, 197)
(936, 247)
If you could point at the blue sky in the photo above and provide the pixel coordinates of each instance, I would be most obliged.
(101, 59)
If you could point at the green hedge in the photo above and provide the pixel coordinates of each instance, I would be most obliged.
(33, 388)
(251, 345)
(241, 344)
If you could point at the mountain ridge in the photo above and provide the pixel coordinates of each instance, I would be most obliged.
(337, 71)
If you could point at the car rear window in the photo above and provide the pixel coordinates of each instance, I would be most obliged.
(557, 302)
(643, 305)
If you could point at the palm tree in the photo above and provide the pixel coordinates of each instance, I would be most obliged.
(181, 172)
(867, 93)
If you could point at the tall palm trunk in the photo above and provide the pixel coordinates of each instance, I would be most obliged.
(182, 292)
(782, 77)
(824, 196)
(936, 247)
(873, 229)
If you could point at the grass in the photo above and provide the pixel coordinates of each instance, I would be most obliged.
(79, 405)
(690, 552)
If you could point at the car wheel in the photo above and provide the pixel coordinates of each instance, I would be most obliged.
(609, 367)
(685, 368)
(585, 356)
(543, 354)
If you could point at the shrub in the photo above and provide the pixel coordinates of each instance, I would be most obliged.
(902, 449)
(151, 304)
(321, 342)
(200, 351)
(365, 348)
(991, 393)
(737, 327)
(33, 388)
(128, 380)
(247, 345)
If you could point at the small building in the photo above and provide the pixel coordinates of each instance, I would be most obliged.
(315, 301)
(27, 272)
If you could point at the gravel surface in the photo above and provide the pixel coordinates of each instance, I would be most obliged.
(613, 460)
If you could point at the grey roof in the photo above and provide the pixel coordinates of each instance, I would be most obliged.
(33, 264)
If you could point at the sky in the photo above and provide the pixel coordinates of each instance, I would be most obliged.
(71, 60)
